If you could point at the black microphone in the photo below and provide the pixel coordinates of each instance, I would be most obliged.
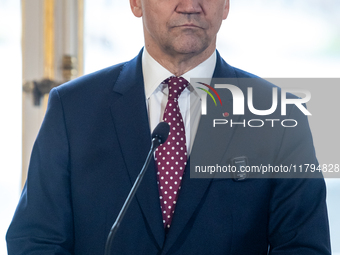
(159, 136)
(160, 133)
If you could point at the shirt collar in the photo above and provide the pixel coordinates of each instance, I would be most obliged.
(154, 73)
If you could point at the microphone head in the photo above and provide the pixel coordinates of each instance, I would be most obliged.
(161, 132)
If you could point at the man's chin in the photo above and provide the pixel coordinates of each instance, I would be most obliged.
(190, 46)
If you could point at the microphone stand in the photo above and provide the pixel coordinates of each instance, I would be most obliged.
(155, 143)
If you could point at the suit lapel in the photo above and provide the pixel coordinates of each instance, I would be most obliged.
(130, 119)
(209, 146)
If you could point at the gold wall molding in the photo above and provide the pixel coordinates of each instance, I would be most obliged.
(49, 34)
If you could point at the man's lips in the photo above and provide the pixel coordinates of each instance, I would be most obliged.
(188, 26)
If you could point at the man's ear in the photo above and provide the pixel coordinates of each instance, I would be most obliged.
(136, 8)
(226, 9)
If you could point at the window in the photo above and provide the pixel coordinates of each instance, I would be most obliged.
(10, 113)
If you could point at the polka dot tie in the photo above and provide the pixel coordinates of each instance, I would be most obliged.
(171, 156)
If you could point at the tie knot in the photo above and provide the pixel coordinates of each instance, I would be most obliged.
(176, 85)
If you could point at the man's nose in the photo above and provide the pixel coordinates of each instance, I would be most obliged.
(189, 6)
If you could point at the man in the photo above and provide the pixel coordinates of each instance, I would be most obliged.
(96, 135)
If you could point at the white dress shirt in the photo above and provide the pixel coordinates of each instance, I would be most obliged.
(190, 99)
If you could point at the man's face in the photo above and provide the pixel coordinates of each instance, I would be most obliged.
(181, 26)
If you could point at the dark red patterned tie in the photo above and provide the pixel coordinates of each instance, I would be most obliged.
(171, 156)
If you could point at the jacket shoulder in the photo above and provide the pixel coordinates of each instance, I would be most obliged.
(103, 79)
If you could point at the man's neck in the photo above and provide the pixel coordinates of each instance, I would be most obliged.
(179, 64)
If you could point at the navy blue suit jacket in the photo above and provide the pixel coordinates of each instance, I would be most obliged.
(92, 145)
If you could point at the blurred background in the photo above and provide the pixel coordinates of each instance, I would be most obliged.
(44, 43)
